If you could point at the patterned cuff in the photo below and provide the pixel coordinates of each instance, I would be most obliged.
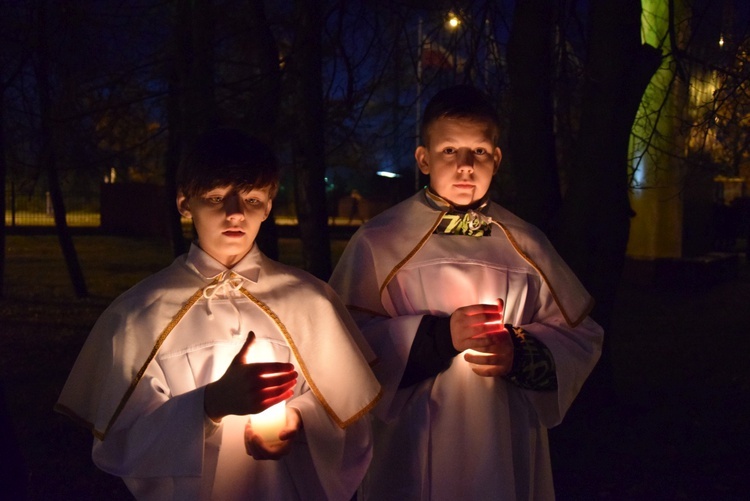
(533, 364)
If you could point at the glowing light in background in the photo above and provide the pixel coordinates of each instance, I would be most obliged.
(385, 173)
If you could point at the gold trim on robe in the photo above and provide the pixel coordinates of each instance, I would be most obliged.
(407, 226)
(104, 375)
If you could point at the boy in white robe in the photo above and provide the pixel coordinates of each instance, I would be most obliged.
(481, 330)
(174, 372)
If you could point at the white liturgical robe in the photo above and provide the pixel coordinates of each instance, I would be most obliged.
(459, 435)
(138, 382)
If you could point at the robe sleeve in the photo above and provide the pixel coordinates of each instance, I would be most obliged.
(338, 457)
(432, 350)
(391, 339)
(575, 351)
(153, 425)
(355, 280)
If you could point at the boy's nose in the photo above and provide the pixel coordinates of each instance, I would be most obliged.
(465, 160)
(232, 206)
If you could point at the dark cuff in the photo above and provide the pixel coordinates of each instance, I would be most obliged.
(431, 352)
(533, 364)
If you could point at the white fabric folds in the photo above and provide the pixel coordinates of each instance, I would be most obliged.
(407, 226)
(138, 382)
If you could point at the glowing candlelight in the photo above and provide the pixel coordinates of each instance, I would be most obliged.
(499, 324)
(270, 422)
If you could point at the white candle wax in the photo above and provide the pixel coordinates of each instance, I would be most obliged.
(270, 422)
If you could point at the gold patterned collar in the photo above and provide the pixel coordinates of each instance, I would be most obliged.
(471, 221)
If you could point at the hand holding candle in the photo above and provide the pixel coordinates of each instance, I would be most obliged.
(249, 388)
(260, 442)
(478, 329)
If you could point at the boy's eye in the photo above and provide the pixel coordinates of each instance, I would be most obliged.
(449, 150)
(480, 151)
(252, 201)
(215, 200)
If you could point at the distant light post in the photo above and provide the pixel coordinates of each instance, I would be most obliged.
(453, 22)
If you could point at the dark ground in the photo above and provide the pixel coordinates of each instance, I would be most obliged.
(675, 428)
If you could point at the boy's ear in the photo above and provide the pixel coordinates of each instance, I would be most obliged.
(420, 154)
(182, 205)
(497, 155)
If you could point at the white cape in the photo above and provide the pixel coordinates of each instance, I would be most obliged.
(327, 347)
(458, 435)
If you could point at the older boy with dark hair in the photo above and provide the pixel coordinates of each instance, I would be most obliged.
(481, 330)
(172, 369)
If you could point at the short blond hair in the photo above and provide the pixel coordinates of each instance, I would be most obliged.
(460, 101)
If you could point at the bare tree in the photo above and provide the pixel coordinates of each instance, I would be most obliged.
(593, 228)
(191, 102)
(308, 147)
(531, 142)
(249, 88)
(340, 84)
(12, 60)
(48, 157)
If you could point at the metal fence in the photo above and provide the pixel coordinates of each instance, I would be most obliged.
(35, 209)
(134, 209)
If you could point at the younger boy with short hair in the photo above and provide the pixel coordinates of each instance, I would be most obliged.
(481, 330)
(172, 369)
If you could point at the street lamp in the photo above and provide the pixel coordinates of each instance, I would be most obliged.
(452, 23)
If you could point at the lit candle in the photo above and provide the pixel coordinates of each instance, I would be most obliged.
(270, 422)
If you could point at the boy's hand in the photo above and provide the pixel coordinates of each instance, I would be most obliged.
(471, 324)
(493, 359)
(479, 328)
(257, 448)
(249, 388)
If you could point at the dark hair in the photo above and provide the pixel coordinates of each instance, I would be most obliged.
(223, 157)
(460, 101)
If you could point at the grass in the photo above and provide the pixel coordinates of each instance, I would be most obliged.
(43, 328)
(674, 431)
(83, 218)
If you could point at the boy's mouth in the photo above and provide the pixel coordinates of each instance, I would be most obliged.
(233, 233)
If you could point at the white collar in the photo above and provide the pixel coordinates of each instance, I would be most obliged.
(248, 267)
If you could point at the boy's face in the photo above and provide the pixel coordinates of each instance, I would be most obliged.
(460, 158)
(227, 221)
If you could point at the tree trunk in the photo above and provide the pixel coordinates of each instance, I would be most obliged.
(261, 118)
(3, 176)
(48, 158)
(191, 103)
(305, 71)
(171, 163)
(593, 229)
(535, 192)
(11, 71)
